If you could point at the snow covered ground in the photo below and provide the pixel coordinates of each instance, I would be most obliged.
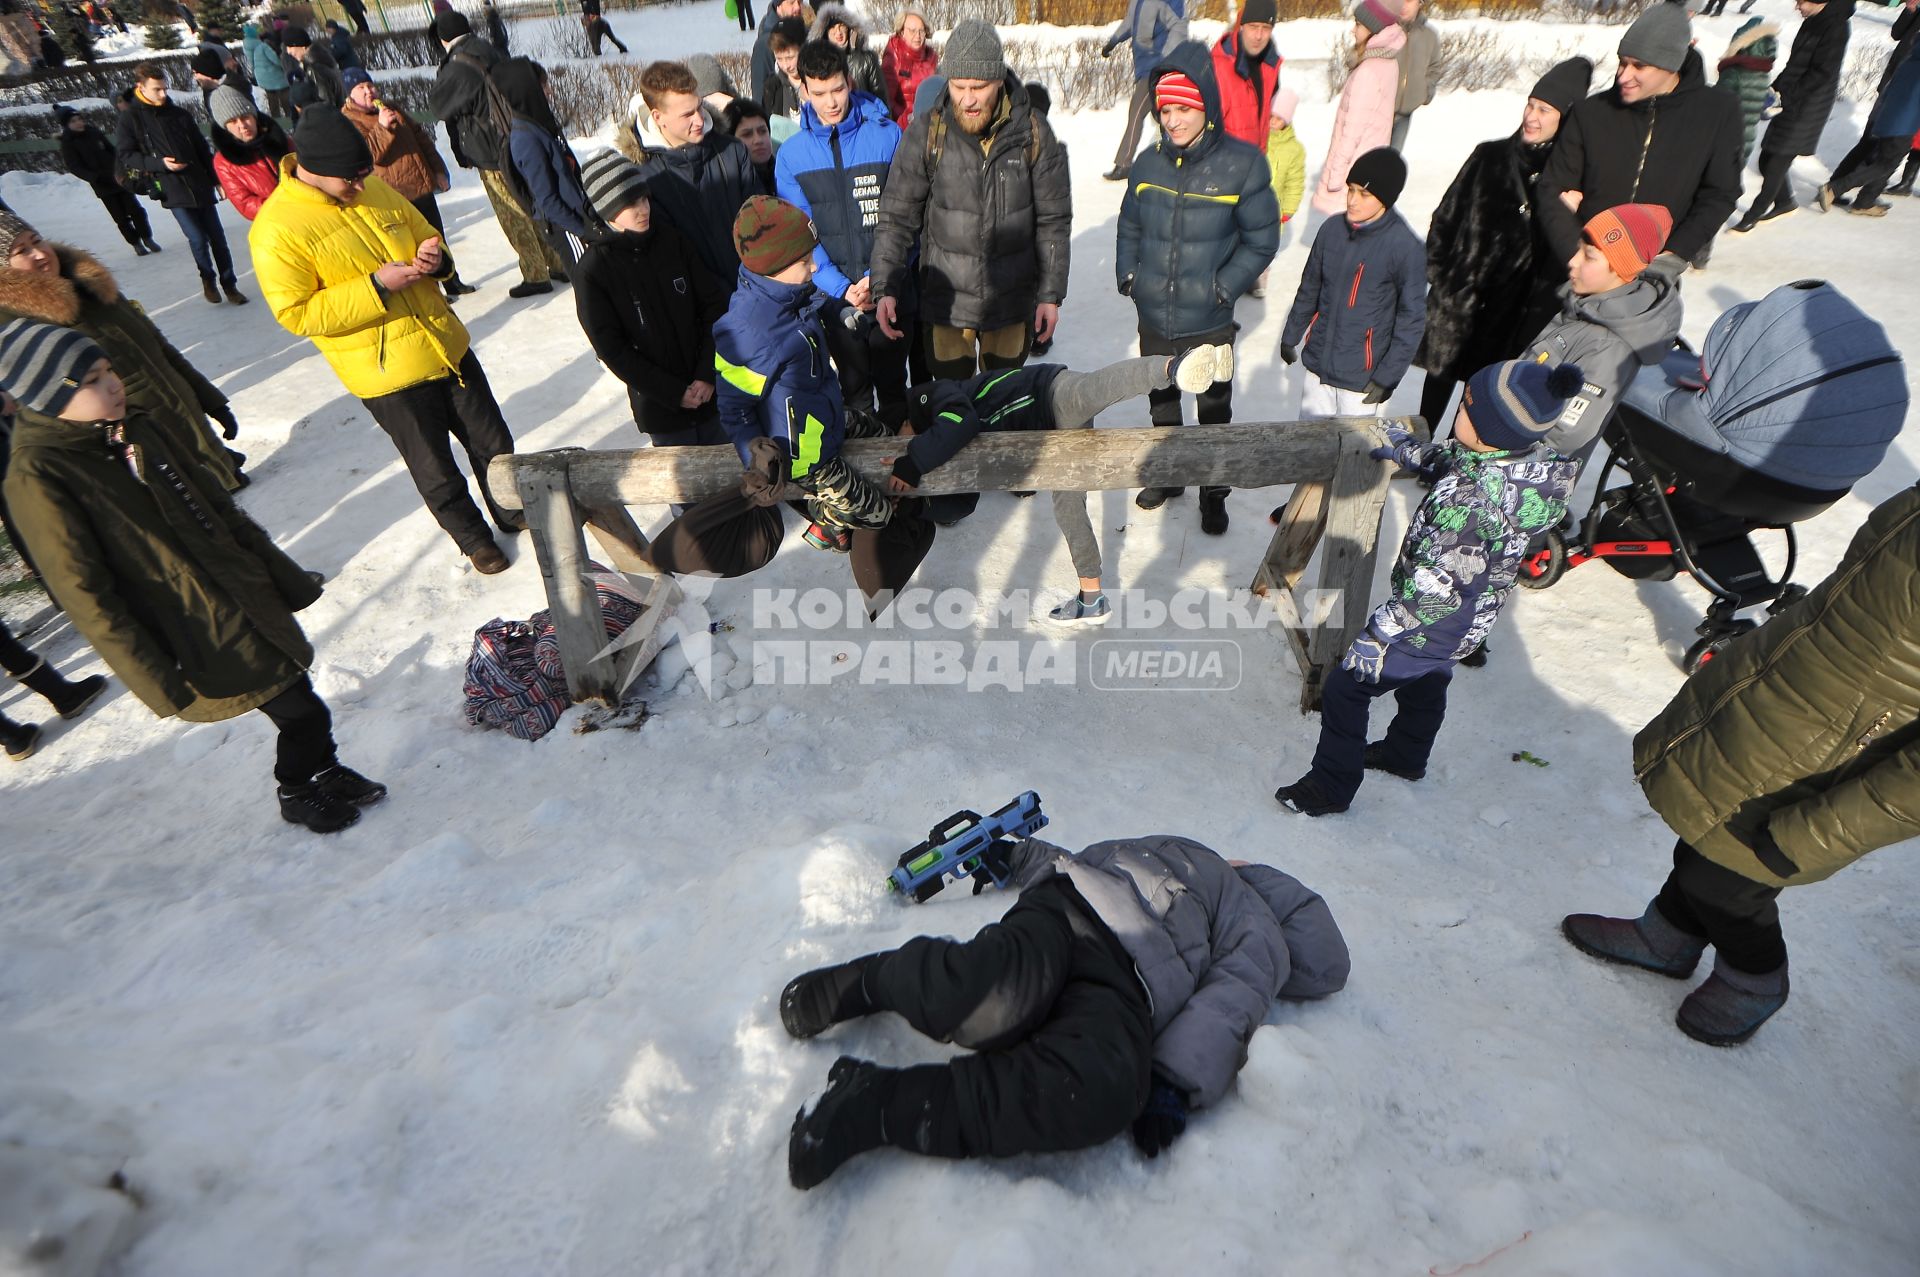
(519, 1020)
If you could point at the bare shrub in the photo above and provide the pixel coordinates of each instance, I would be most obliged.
(1860, 80)
(1075, 74)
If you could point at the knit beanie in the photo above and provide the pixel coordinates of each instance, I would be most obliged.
(62, 113)
(771, 235)
(228, 103)
(1374, 16)
(1177, 89)
(1285, 103)
(41, 365)
(1659, 37)
(1381, 173)
(451, 25)
(613, 182)
(329, 146)
(207, 62)
(1259, 11)
(1512, 405)
(353, 77)
(11, 227)
(1564, 85)
(973, 52)
(709, 76)
(1629, 236)
(296, 38)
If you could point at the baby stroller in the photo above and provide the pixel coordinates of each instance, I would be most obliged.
(1793, 400)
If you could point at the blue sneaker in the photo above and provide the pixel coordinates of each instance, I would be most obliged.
(1075, 611)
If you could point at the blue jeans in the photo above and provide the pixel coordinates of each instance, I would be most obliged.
(207, 241)
(1339, 761)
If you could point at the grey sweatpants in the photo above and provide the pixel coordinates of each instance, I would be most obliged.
(1076, 398)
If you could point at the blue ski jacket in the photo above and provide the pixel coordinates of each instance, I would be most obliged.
(548, 167)
(836, 174)
(1362, 303)
(775, 378)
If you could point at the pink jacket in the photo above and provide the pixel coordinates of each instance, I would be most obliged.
(1365, 117)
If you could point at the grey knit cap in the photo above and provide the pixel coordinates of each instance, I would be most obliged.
(973, 52)
(709, 76)
(228, 103)
(41, 365)
(1660, 37)
(11, 225)
(613, 182)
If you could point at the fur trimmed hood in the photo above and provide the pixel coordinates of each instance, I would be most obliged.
(1746, 37)
(55, 299)
(832, 14)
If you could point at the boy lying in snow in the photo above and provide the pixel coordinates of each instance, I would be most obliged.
(1121, 988)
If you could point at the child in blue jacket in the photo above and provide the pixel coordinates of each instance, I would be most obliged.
(777, 380)
(1495, 487)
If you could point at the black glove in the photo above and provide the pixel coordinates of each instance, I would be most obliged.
(906, 470)
(1163, 1121)
(229, 428)
(1288, 355)
(1376, 393)
(996, 865)
(1767, 848)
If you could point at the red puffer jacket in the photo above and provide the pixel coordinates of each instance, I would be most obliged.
(903, 71)
(247, 185)
(1243, 104)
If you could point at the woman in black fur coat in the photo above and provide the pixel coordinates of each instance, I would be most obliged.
(1489, 284)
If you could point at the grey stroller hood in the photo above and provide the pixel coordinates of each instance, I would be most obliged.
(1801, 386)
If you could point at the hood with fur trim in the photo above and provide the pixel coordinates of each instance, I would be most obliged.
(835, 14)
(55, 299)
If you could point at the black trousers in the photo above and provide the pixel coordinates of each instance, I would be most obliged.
(128, 216)
(423, 421)
(305, 747)
(1214, 405)
(1739, 917)
(1060, 1029)
(745, 14)
(1339, 760)
(1775, 190)
(15, 659)
(598, 30)
(872, 369)
(1869, 166)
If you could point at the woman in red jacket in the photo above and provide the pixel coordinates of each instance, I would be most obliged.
(908, 61)
(246, 156)
(1246, 66)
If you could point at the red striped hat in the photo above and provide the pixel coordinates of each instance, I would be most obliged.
(1629, 236)
(1374, 16)
(1176, 89)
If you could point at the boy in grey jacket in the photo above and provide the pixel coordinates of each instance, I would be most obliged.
(1120, 989)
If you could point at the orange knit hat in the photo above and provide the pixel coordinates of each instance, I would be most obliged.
(1629, 236)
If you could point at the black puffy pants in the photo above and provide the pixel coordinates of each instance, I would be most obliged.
(1058, 1022)
(424, 421)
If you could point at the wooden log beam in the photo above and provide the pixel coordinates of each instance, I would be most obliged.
(1240, 455)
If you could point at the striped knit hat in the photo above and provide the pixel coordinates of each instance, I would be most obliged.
(1512, 405)
(771, 235)
(11, 226)
(1629, 236)
(1374, 15)
(41, 365)
(613, 183)
(1177, 89)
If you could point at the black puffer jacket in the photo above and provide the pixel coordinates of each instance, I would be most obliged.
(648, 305)
(1680, 150)
(697, 188)
(460, 98)
(148, 135)
(1487, 259)
(1198, 224)
(994, 225)
(1810, 82)
(89, 157)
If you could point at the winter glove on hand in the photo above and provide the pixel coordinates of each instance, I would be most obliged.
(1288, 355)
(229, 428)
(1366, 658)
(1126, 286)
(1403, 449)
(1767, 848)
(1163, 1121)
(1376, 393)
(1667, 266)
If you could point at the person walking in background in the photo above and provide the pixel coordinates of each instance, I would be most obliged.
(90, 157)
(1890, 129)
(68, 699)
(404, 156)
(1364, 118)
(1746, 70)
(545, 164)
(1419, 70)
(743, 12)
(1807, 89)
(158, 139)
(496, 28)
(356, 12)
(907, 63)
(597, 27)
(1150, 29)
(247, 149)
(317, 66)
(263, 67)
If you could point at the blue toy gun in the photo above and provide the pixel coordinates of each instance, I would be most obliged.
(959, 845)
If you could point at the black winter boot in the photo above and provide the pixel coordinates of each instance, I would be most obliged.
(1213, 511)
(1731, 1004)
(1306, 798)
(313, 807)
(69, 700)
(18, 739)
(846, 1121)
(1154, 498)
(818, 1000)
(1379, 760)
(1649, 942)
(349, 786)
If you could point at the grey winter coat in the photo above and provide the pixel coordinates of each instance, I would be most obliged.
(1417, 62)
(1610, 336)
(1213, 946)
(1197, 225)
(994, 222)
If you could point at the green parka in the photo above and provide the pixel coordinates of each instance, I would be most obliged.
(187, 600)
(1809, 726)
(161, 384)
(1746, 69)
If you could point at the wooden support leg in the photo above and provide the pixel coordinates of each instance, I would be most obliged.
(626, 546)
(553, 521)
(1357, 495)
(1294, 540)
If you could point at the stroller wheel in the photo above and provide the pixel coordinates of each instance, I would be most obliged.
(1706, 648)
(1546, 565)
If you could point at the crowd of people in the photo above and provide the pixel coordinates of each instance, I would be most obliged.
(878, 245)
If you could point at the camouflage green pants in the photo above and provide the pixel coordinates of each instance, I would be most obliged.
(537, 260)
(838, 496)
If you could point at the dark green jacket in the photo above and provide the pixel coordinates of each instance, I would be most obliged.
(161, 384)
(186, 599)
(1809, 726)
(1746, 69)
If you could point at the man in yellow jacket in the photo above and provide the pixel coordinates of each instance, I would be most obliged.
(344, 260)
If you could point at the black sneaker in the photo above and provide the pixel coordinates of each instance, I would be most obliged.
(141, 250)
(151, 246)
(1378, 760)
(319, 811)
(457, 287)
(1305, 798)
(530, 289)
(349, 786)
(1154, 498)
(1476, 658)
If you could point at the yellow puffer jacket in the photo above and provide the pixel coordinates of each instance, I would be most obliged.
(315, 259)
